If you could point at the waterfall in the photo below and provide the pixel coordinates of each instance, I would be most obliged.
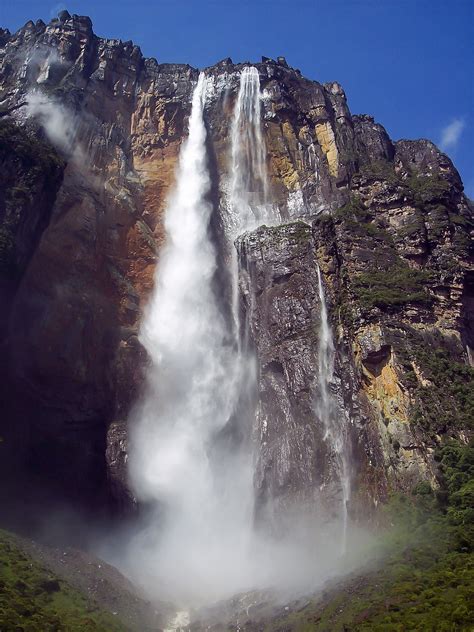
(191, 461)
(201, 494)
(327, 409)
(248, 183)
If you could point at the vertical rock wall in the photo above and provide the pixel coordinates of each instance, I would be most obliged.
(391, 232)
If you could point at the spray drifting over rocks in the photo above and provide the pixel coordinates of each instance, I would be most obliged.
(59, 124)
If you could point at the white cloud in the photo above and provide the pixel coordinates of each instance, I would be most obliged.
(451, 134)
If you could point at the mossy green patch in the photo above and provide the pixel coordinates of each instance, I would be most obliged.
(380, 170)
(444, 401)
(392, 287)
(426, 189)
(34, 600)
(360, 222)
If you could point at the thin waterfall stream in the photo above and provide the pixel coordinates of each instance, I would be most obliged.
(327, 410)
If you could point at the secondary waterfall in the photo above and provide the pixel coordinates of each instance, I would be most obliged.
(327, 409)
(248, 205)
(202, 497)
(249, 183)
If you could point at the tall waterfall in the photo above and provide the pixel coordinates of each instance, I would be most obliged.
(186, 463)
(327, 410)
(202, 497)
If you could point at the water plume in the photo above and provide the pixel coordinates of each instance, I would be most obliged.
(202, 497)
(248, 205)
(60, 124)
(249, 183)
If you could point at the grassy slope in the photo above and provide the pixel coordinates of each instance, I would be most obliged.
(32, 599)
(426, 581)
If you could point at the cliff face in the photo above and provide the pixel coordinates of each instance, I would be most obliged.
(386, 222)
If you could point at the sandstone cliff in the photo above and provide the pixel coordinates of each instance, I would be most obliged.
(387, 223)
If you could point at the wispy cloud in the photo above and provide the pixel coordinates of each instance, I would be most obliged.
(451, 134)
(53, 13)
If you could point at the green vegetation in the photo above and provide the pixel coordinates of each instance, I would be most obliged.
(425, 577)
(389, 282)
(421, 188)
(426, 189)
(391, 287)
(449, 401)
(430, 195)
(33, 600)
(380, 170)
(301, 232)
(359, 221)
(446, 400)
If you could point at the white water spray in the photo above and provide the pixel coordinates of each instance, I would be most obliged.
(327, 409)
(200, 545)
(200, 528)
(249, 183)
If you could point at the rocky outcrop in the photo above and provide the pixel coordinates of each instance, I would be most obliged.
(399, 257)
(31, 175)
(391, 232)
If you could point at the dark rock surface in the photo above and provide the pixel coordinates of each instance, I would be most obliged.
(279, 285)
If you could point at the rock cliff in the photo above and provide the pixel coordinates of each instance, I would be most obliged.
(90, 133)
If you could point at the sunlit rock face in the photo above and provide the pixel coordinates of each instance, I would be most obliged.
(75, 363)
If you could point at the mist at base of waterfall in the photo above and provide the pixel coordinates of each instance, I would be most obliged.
(191, 570)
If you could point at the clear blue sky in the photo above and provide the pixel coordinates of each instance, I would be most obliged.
(409, 63)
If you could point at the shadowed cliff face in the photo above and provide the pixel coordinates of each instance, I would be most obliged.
(386, 222)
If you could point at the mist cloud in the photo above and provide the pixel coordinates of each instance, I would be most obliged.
(451, 134)
(61, 126)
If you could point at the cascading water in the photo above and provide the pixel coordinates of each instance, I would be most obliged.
(203, 508)
(327, 410)
(248, 187)
(199, 543)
